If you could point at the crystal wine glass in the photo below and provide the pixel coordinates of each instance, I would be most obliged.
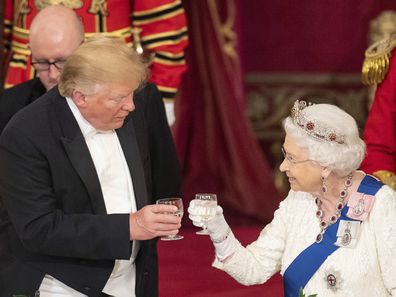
(176, 202)
(208, 204)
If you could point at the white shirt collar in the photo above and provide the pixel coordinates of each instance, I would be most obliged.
(86, 128)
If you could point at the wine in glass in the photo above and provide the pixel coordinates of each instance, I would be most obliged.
(208, 204)
(179, 213)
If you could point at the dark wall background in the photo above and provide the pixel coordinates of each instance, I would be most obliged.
(306, 35)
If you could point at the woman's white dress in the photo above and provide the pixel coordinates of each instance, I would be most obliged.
(366, 270)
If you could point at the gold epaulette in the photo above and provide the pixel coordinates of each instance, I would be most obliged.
(376, 62)
(387, 177)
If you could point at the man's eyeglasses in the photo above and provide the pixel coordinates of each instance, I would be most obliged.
(290, 159)
(45, 65)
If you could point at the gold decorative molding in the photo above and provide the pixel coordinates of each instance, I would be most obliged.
(225, 29)
(382, 27)
(73, 4)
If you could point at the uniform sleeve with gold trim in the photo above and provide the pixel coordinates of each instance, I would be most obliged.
(7, 29)
(164, 33)
(18, 17)
(379, 133)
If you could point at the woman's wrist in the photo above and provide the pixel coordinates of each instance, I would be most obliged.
(223, 237)
(226, 248)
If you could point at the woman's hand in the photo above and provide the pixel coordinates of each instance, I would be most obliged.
(219, 231)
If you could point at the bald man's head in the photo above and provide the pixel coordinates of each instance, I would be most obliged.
(55, 33)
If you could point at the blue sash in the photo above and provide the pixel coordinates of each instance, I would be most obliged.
(309, 260)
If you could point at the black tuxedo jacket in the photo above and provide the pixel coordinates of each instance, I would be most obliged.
(56, 220)
(14, 99)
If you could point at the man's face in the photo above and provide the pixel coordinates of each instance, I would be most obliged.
(108, 108)
(49, 54)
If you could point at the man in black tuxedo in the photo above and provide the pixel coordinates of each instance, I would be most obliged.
(55, 33)
(80, 169)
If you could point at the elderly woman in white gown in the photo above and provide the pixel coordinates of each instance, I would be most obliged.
(335, 233)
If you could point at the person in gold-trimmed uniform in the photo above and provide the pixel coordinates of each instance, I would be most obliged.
(379, 69)
(156, 28)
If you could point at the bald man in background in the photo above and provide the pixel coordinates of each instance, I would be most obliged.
(55, 33)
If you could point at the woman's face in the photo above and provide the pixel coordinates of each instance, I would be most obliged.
(303, 174)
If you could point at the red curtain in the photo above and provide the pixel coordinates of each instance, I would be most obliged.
(217, 149)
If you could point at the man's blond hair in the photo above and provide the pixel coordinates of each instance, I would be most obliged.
(100, 61)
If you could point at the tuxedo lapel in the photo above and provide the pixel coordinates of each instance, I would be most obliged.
(77, 151)
(128, 141)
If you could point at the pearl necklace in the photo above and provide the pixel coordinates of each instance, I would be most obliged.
(340, 204)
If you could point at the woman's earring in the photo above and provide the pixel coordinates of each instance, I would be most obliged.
(324, 187)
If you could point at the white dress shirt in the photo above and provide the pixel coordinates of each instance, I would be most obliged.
(117, 188)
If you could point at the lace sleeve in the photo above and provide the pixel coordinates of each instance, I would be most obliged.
(257, 262)
(384, 224)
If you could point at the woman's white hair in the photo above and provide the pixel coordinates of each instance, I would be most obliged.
(342, 158)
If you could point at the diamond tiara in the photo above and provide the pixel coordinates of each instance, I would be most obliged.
(312, 127)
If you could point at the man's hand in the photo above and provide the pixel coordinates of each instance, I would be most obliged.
(154, 221)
